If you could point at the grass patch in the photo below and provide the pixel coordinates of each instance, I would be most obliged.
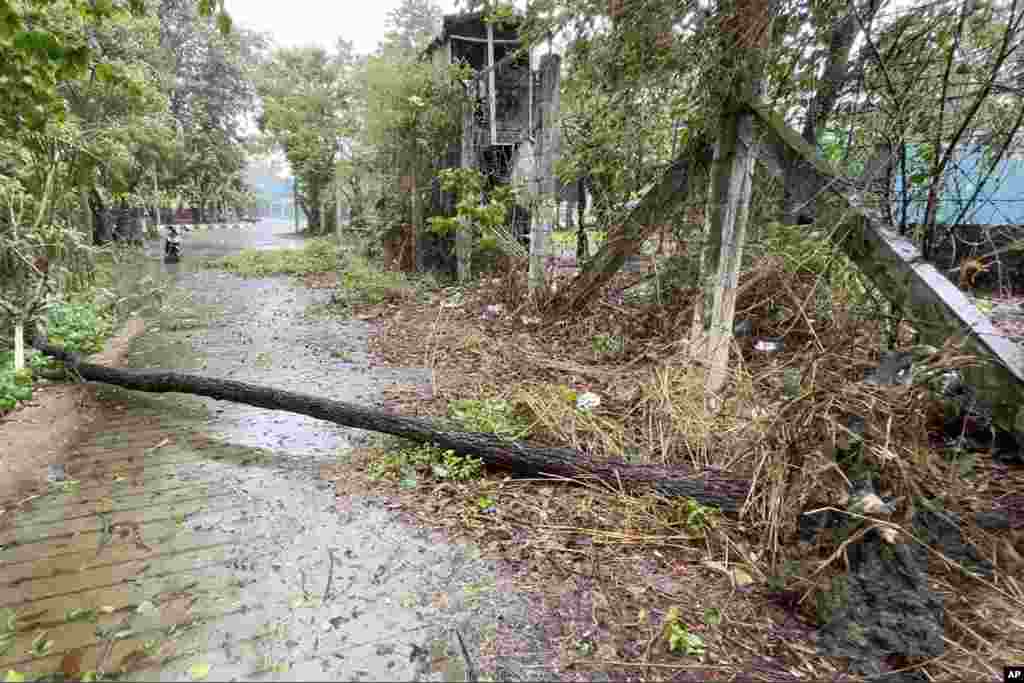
(490, 416)
(360, 283)
(316, 256)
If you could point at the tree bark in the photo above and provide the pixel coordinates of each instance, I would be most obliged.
(101, 220)
(86, 213)
(709, 487)
(728, 208)
(799, 203)
(463, 236)
(582, 245)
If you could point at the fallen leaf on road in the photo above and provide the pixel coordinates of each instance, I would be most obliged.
(440, 600)
(739, 576)
(71, 665)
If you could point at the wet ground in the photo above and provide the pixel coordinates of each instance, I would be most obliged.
(194, 539)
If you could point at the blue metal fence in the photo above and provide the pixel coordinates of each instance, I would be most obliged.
(1000, 200)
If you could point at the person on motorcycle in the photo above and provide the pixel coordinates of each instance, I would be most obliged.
(172, 245)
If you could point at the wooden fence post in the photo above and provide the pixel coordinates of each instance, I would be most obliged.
(728, 203)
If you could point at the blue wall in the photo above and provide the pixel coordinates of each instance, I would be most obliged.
(1000, 202)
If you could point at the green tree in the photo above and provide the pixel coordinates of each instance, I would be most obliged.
(307, 98)
(411, 26)
(211, 88)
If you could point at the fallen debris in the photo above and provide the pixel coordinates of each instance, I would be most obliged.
(708, 487)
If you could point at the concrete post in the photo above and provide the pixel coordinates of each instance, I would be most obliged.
(545, 153)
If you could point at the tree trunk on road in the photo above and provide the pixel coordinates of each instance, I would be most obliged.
(709, 487)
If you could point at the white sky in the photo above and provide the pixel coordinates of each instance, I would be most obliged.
(303, 22)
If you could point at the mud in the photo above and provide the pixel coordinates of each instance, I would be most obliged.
(194, 539)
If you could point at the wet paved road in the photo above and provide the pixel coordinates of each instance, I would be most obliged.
(195, 540)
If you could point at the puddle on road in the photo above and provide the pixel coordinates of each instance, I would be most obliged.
(237, 563)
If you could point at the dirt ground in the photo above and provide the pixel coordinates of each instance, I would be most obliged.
(41, 432)
(608, 573)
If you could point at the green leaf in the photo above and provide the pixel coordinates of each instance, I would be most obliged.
(224, 22)
(198, 672)
(80, 614)
(40, 645)
(14, 677)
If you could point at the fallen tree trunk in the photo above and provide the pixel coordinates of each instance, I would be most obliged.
(708, 487)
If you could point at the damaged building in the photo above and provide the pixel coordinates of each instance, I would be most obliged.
(503, 137)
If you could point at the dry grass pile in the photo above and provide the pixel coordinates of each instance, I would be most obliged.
(799, 423)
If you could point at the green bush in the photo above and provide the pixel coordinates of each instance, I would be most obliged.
(487, 255)
(410, 462)
(316, 256)
(361, 283)
(11, 389)
(608, 344)
(17, 386)
(79, 328)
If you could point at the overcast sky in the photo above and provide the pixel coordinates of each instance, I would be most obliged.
(319, 22)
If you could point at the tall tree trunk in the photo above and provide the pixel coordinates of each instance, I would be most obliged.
(337, 206)
(799, 195)
(463, 237)
(725, 233)
(582, 244)
(417, 219)
(322, 214)
(102, 232)
(156, 198)
(86, 212)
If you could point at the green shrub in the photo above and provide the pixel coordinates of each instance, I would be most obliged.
(17, 386)
(362, 283)
(78, 327)
(11, 391)
(565, 239)
(608, 344)
(487, 255)
(412, 461)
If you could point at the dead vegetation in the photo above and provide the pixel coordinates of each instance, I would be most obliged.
(624, 574)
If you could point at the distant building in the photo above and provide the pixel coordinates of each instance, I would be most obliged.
(503, 138)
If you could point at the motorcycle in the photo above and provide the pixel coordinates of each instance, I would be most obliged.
(172, 245)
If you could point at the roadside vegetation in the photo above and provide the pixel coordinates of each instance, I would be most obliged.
(315, 256)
